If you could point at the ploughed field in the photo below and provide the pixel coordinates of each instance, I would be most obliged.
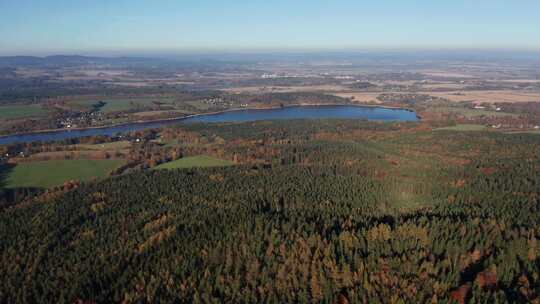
(316, 211)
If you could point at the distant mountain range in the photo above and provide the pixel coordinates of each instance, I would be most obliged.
(238, 59)
(75, 60)
(196, 62)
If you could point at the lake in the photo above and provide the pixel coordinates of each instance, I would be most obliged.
(294, 112)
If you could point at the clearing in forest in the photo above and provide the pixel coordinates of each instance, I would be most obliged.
(46, 174)
(195, 161)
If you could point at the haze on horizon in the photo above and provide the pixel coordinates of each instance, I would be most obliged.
(123, 27)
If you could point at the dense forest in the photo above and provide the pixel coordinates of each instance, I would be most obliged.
(315, 211)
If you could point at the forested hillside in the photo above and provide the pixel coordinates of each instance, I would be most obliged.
(325, 211)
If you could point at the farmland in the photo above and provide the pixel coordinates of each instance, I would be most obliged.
(118, 105)
(487, 96)
(22, 111)
(463, 127)
(469, 113)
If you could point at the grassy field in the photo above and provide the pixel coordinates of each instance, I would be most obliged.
(83, 105)
(199, 105)
(117, 145)
(46, 174)
(116, 105)
(467, 112)
(195, 161)
(161, 112)
(21, 111)
(537, 132)
(125, 104)
(130, 104)
(463, 127)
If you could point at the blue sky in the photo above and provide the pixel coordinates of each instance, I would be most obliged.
(81, 26)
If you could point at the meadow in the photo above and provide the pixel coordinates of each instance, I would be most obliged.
(537, 132)
(463, 127)
(116, 145)
(201, 161)
(470, 113)
(21, 111)
(46, 174)
(118, 105)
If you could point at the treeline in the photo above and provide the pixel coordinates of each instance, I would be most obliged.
(297, 98)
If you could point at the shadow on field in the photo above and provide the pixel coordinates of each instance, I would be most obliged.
(5, 170)
(11, 196)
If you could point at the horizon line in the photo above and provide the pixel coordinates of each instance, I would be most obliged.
(216, 51)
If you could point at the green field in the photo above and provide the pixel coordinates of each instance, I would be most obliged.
(117, 105)
(46, 174)
(534, 132)
(83, 105)
(199, 105)
(463, 127)
(117, 145)
(126, 104)
(22, 111)
(195, 161)
(469, 113)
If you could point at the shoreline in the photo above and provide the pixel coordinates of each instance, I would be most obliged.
(208, 113)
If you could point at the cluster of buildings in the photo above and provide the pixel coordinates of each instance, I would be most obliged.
(79, 119)
(480, 107)
(273, 76)
(219, 102)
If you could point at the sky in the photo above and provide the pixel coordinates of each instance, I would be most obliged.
(130, 26)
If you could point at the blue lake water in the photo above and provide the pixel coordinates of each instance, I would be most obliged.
(296, 112)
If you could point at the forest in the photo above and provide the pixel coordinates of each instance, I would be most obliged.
(312, 211)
